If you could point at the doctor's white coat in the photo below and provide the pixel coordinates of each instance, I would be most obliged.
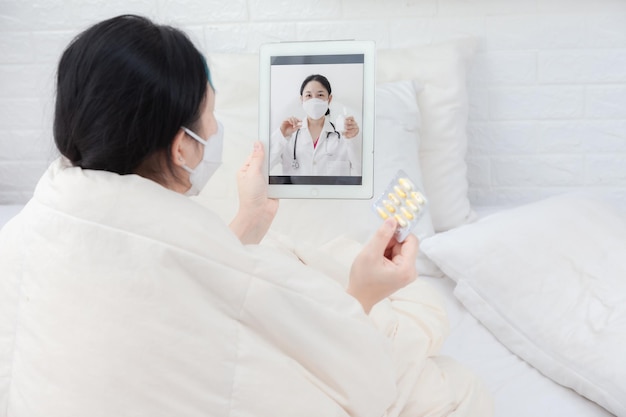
(334, 155)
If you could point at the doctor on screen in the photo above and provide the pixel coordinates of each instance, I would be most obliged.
(316, 146)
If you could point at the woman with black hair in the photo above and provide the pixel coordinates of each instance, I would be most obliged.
(121, 296)
(315, 145)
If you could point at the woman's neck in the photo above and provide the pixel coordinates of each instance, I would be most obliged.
(319, 123)
(315, 129)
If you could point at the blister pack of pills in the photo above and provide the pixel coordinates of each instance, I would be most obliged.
(403, 201)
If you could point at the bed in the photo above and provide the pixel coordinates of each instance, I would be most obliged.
(535, 293)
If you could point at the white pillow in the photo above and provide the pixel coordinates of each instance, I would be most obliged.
(549, 281)
(443, 102)
(440, 69)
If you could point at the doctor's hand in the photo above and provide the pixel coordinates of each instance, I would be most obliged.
(256, 210)
(290, 125)
(383, 266)
(352, 128)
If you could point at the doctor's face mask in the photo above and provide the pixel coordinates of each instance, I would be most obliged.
(211, 159)
(315, 108)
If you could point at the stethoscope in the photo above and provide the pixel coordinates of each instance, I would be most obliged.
(295, 164)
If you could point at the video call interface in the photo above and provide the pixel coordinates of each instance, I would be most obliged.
(335, 157)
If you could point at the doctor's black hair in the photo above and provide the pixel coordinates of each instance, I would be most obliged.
(125, 86)
(320, 79)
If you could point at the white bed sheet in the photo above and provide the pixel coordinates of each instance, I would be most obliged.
(519, 389)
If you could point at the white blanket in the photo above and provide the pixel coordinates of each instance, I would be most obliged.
(119, 297)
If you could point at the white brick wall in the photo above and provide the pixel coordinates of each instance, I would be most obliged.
(547, 86)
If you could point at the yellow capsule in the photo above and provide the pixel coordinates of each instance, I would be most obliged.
(418, 197)
(406, 183)
(394, 199)
(400, 220)
(399, 191)
(413, 206)
(382, 213)
(407, 213)
(389, 206)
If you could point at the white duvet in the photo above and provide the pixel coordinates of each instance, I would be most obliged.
(118, 297)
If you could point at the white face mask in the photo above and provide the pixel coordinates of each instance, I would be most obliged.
(211, 159)
(315, 108)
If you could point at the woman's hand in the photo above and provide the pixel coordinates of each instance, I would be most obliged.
(256, 210)
(352, 128)
(290, 125)
(383, 266)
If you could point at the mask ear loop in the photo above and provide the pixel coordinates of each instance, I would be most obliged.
(199, 139)
(195, 136)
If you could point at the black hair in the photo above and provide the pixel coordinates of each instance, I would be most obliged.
(125, 86)
(322, 80)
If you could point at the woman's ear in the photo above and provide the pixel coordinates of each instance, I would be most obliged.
(330, 98)
(178, 148)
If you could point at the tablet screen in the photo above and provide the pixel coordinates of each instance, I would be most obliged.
(316, 107)
(316, 119)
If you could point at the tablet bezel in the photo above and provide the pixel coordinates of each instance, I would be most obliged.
(335, 191)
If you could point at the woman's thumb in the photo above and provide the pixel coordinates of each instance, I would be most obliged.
(258, 154)
(383, 235)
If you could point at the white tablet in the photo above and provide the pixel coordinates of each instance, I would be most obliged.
(316, 118)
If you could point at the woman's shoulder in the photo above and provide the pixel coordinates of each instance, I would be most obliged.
(129, 204)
